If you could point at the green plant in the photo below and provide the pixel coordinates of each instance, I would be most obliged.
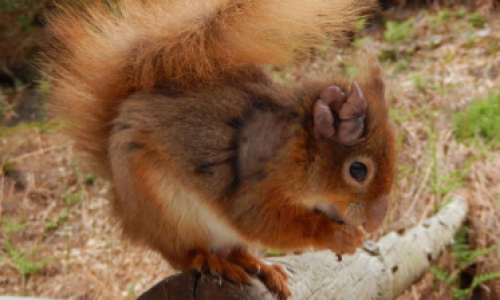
(435, 20)
(12, 225)
(476, 20)
(360, 24)
(446, 183)
(25, 23)
(399, 32)
(274, 252)
(7, 167)
(387, 55)
(351, 71)
(461, 13)
(480, 118)
(325, 46)
(464, 258)
(26, 264)
(399, 117)
(400, 65)
(360, 42)
(61, 219)
(89, 178)
(442, 204)
(278, 76)
(442, 184)
(449, 57)
(44, 86)
(462, 252)
(131, 288)
(72, 198)
(444, 15)
(471, 41)
(69, 200)
(419, 82)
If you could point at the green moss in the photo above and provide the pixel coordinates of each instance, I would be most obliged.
(476, 20)
(388, 55)
(399, 32)
(480, 118)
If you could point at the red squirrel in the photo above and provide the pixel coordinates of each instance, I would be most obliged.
(169, 100)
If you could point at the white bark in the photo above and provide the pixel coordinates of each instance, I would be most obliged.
(380, 271)
(401, 260)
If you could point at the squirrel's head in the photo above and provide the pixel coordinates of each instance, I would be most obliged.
(353, 153)
(334, 151)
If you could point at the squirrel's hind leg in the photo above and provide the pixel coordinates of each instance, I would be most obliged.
(206, 262)
(237, 268)
(273, 276)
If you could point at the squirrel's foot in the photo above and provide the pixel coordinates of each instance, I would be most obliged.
(208, 262)
(238, 267)
(273, 276)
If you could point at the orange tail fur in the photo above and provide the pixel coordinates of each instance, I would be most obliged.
(100, 52)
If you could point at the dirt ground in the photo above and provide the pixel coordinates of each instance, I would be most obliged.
(56, 239)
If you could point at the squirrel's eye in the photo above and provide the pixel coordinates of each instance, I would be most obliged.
(358, 171)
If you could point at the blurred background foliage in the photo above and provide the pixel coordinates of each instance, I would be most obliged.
(21, 34)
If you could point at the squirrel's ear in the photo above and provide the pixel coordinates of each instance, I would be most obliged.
(370, 75)
(371, 80)
(349, 111)
(352, 116)
(330, 99)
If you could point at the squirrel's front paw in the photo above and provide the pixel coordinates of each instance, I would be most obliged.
(340, 238)
(347, 239)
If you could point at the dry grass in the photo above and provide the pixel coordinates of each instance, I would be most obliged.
(482, 6)
(65, 219)
(55, 213)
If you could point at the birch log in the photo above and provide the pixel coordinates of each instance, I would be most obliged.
(380, 271)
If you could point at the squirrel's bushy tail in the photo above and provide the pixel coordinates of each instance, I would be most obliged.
(99, 51)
